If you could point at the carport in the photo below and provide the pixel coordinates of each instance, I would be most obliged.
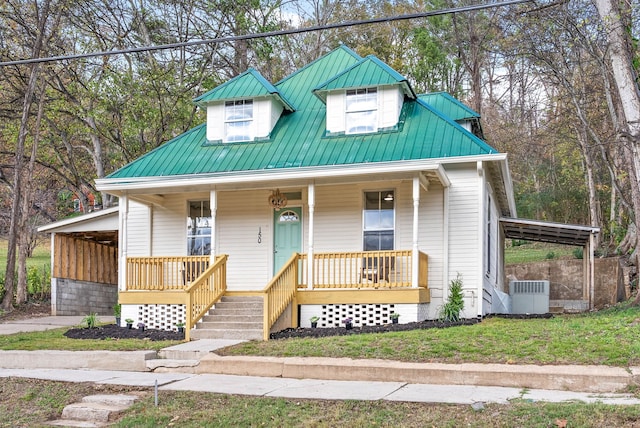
(559, 233)
(84, 263)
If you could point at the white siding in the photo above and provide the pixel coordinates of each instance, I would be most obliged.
(266, 112)
(431, 236)
(338, 218)
(464, 248)
(492, 254)
(215, 122)
(336, 106)
(138, 233)
(389, 105)
(170, 224)
(241, 215)
(390, 101)
(276, 112)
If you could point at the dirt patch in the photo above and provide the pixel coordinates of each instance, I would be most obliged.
(112, 331)
(31, 309)
(342, 331)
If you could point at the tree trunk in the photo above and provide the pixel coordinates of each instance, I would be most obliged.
(620, 56)
(7, 301)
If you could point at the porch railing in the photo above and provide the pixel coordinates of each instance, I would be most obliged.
(164, 273)
(365, 269)
(207, 289)
(279, 293)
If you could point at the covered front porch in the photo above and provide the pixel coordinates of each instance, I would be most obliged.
(198, 282)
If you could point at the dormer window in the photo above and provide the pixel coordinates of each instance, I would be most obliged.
(238, 120)
(361, 111)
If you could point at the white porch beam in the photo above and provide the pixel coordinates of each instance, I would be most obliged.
(311, 202)
(122, 240)
(148, 199)
(424, 182)
(415, 265)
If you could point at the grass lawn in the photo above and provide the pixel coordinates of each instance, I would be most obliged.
(41, 256)
(55, 339)
(31, 402)
(529, 252)
(610, 337)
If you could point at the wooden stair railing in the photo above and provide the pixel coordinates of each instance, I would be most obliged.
(279, 293)
(204, 292)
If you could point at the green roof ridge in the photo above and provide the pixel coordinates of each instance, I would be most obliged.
(344, 75)
(451, 121)
(452, 100)
(245, 90)
(321, 58)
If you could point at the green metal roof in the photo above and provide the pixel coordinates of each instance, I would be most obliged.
(368, 72)
(299, 140)
(250, 84)
(448, 105)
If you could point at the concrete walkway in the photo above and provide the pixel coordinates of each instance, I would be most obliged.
(45, 323)
(318, 389)
(192, 366)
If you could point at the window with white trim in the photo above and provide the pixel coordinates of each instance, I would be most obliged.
(361, 111)
(199, 228)
(379, 221)
(238, 120)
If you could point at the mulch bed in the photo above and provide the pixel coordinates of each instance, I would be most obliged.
(342, 331)
(112, 331)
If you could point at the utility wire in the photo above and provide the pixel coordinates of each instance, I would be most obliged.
(267, 34)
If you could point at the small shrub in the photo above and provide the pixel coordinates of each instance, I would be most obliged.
(450, 311)
(117, 310)
(577, 253)
(550, 255)
(91, 320)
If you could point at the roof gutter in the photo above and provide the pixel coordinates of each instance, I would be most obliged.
(302, 173)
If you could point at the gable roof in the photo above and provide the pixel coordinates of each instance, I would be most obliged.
(250, 84)
(368, 72)
(298, 140)
(448, 105)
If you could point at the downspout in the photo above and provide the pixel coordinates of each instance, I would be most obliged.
(311, 201)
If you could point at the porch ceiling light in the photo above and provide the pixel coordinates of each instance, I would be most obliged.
(277, 200)
(389, 196)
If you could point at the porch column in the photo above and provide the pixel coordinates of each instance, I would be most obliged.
(415, 265)
(592, 279)
(122, 241)
(311, 201)
(213, 203)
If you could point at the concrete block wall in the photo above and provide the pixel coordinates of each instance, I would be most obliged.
(566, 281)
(71, 297)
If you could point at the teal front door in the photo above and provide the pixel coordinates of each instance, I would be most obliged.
(288, 235)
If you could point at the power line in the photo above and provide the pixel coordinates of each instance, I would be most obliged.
(266, 34)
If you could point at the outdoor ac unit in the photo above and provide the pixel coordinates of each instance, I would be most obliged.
(529, 297)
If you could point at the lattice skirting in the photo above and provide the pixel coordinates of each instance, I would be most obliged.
(362, 314)
(160, 317)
